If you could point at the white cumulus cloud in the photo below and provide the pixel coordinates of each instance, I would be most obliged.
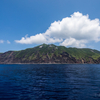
(39, 38)
(76, 30)
(74, 43)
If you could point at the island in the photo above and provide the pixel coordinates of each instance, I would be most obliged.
(51, 54)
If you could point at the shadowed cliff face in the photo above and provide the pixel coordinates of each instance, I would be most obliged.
(7, 57)
(50, 54)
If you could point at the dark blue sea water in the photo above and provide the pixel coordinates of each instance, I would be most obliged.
(50, 82)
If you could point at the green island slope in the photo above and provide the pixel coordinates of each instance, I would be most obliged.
(51, 54)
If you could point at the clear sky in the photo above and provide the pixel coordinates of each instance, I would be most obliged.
(28, 23)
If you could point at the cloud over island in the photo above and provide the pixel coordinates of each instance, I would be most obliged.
(76, 31)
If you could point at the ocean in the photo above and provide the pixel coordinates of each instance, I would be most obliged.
(50, 82)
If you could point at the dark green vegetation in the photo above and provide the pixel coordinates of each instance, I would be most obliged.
(51, 54)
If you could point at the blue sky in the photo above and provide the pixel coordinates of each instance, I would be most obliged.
(28, 23)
